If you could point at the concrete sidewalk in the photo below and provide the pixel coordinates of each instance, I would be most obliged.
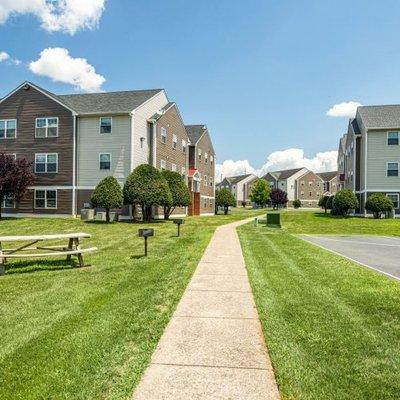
(213, 347)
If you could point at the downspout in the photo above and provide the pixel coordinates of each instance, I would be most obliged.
(74, 166)
(365, 170)
(131, 164)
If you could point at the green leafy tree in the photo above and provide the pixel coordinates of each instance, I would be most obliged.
(296, 203)
(344, 201)
(107, 195)
(260, 193)
(146, 186)
(378, 203)
(225, 199)
(180, 194)
(323, 202)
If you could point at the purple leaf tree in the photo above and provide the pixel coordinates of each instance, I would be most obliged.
(278, 198)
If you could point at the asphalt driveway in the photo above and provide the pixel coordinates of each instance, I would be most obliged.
(380, 253)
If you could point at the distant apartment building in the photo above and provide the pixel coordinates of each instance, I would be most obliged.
(74, 141)
(239, 186)
(330, 182)
(369, 154)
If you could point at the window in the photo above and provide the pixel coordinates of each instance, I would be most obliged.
(173, 167)
(206, 158)
(393, 138)
(46, 163)
(310, 183)
(199, 154)
(8, 202)
(46, 127)
(8, 128)
(183, 172)
(211, 160)
(163, 164)
(174, 141)
(105, 125)
(395, 199)
(183, 146)
(45, 198)
(302, 183)
(205, 202)
(211, 181)
(392, 169)
(105, 161)
(163, 135)
(205, 180)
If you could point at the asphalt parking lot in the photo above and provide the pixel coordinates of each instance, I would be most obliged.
(380, 253)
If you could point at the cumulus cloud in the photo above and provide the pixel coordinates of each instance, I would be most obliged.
(345, 109)
(56, 15)
(58, 65)
(5, 57)
(278, 160)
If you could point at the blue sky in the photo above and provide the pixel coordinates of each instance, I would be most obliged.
(260, 74)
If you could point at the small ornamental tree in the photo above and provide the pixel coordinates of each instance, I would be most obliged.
(180, 194)
(278, 198)
(329, 202)
(225, 199)
(344, 201)
(147, 187)
(15, 178)
(296, 203)
(323, 202)
(378, 203)
(107, 195)
(260, 193)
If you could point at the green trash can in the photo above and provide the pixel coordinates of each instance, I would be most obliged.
(274, 220)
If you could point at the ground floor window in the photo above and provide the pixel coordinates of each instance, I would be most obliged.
(8, 202)
(395, 199)
(45, 198)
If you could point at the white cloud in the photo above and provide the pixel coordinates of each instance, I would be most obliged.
(345, 109)
(278, 160)
(5, 57)
(58, 65)
(56, 15)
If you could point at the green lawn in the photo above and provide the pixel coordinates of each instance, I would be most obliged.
(332, 327)
(70, 333)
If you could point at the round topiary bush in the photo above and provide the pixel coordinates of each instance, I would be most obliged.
(378, 203)
(296, 203)
(344, 201)
(108, 195)
(323, 202)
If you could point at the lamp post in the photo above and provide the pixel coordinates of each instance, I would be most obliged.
(146, 233)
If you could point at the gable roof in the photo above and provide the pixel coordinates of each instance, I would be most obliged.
(380, 117)
(108, 102)
(283, 174)
(327, 176)
(195, 132)
(236, 179)
(342, 143)
(161, 112)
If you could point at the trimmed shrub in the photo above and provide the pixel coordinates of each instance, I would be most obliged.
(344, 201)
(108, 195)
(180, 194)
(260, 192)
(296, 203)
(225, 199)
(147, 187)
(329, 202)
(323, 202)
(378, 203)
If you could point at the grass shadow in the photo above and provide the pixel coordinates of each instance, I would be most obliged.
(23, 267)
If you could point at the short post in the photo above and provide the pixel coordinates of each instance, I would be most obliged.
(146, 233)
(255, 221)
(179, 222)
(2, 262)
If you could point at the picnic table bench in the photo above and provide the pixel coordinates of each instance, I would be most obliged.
(73, 247)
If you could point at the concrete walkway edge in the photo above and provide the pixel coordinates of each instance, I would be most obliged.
(213, 347)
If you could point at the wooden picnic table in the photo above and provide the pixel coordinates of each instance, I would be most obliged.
(73, 247)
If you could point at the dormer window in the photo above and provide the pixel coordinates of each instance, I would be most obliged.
(46, 127)
(105, 125)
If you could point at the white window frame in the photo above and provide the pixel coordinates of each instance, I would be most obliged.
(102, 154)
(46, 155)
(163, 164)
(211, 160)
(398, 198)
(173, 167)
(45, 199)
(387, 169)
(5, 128)
(46, 127)
(199, 154)
(4, 203)
(174, 142)
(105, 133)
(183, 146)
(398, 138)
(163, 135)
(206, 158)
(183, 171)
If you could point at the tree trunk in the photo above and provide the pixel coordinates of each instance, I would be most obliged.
(107, 215)
(0, 209)
(167, 212)
(226, 209)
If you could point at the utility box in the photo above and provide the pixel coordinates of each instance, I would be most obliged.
(274, 220)
(87, 214)
(100, 216)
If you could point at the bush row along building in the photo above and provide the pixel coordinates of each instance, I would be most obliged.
(76, 140)
(299, 183)
(369, 154)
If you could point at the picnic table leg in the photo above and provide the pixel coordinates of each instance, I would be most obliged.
(79, 255)
(2, 262)
(70, 246)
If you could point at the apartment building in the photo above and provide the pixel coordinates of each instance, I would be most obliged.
(369, 154)
(201, 170)
(309, 188)
(74, 141)
(239, 186)
(330, 182)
